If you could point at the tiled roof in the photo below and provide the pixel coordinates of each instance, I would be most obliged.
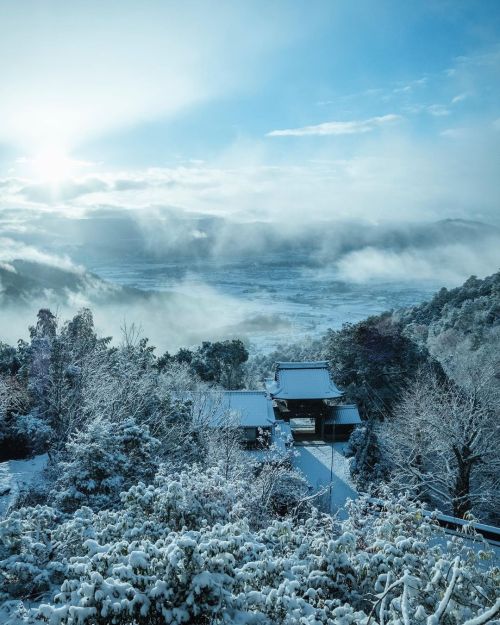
(253, 408)
(344, 415)
(303, 380)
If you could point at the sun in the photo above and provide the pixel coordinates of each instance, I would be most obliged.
(53, 166)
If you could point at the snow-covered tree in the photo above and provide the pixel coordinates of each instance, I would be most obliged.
(102, 460)
(443, 442)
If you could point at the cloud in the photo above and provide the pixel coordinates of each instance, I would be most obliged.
(459, 98)
(444, 264)
(454, 133)
(438, 110)
(11, 250)
(68, 190)
(337, 128)
(185, 315)
(393, 176)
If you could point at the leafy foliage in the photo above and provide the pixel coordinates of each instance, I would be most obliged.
(171, 555)
(103, 460)
(372, 360)
(217, 362)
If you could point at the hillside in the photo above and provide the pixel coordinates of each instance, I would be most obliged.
(465, 319)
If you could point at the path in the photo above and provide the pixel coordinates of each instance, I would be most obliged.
(316, 459)
(17, 474)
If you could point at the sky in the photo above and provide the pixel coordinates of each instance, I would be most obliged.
(289, 112)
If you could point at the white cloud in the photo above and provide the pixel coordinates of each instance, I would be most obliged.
(438, 110)
(454, 133)
(448, 264)
(459, 98)
(387, 176)
(11, 250)
(337, 128)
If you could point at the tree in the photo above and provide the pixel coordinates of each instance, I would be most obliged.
(9, 360)
(14, 401)
(221, 362)
(372, 360)
(443, 441)
(103, 460)
(46, 325)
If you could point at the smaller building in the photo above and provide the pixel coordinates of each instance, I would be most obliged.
(341, 422)
(253, 412)
(250, 413)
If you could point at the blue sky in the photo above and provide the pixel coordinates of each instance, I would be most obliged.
(369, 110)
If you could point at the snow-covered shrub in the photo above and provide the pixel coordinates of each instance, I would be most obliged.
(103, 460)
(169, 558)
(187, 500)
(277, 491)
(27, 562)
(30, 495)
(367, 463)
(35, 430)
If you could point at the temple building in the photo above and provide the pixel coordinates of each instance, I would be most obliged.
(305, 395)
(251, 413)
(300, 402)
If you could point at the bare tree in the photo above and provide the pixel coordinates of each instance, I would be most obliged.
(443, 442)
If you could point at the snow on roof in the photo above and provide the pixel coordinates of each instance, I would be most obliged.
(303, 380)
(254, 408)
(344, 415)
(241, 408)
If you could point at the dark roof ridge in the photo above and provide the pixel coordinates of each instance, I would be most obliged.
(312, 364)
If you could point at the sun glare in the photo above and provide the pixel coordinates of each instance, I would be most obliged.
(53, 166)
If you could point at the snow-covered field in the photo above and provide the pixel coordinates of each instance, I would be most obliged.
(16, 475)
(278, 296)
(322, 463)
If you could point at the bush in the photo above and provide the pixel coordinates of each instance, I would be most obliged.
(181, 551)
(102, 461)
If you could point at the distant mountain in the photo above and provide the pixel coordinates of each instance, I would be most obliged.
(22, 281)
(171, 319)
(472, 309)
(166, 234)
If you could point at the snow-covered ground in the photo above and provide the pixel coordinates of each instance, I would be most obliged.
(16, 475)
(322, 463)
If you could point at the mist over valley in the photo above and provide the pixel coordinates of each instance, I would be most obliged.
(184, 278)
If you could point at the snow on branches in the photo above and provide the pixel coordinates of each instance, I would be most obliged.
(182, 551)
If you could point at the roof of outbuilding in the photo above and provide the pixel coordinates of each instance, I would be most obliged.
(303, 380)
(344, 415)
(253, 408)
(236, 408)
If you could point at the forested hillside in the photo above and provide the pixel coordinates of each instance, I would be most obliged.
(458, 324)
(144, 515)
